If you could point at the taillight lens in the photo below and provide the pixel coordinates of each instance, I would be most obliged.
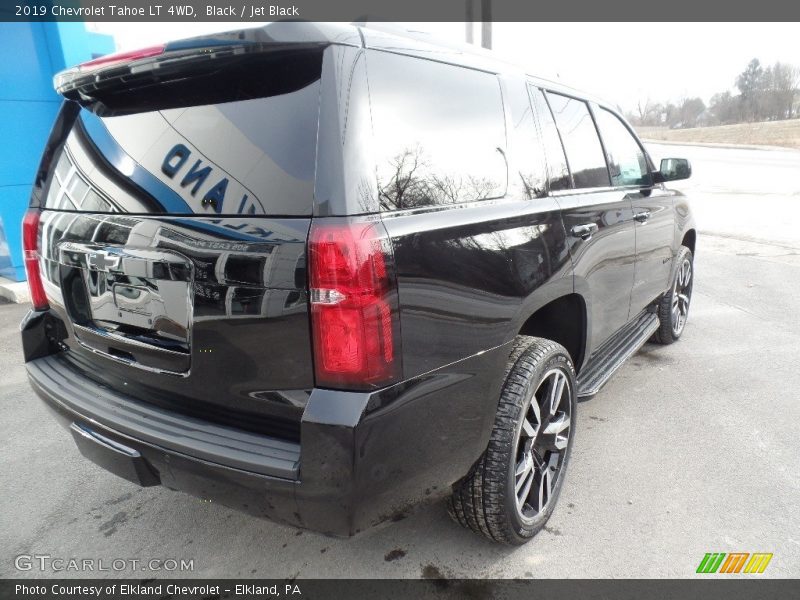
(122, 57)
(354, 318)
(30, 249)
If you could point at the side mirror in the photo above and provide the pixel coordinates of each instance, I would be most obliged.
(673, 169)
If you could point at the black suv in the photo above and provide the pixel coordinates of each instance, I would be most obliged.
(318, 273)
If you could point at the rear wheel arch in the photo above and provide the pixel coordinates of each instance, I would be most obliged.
(689, 240)
(562, 320)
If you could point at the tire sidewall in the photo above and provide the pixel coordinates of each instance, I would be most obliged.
(523, 529)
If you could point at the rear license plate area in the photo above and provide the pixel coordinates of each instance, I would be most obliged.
(133, 305)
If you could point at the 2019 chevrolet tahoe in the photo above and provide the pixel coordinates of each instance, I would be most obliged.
(320, 272)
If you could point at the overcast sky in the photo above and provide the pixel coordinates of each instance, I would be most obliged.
(621, 62)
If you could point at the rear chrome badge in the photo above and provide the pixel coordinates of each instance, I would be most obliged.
(102, 261)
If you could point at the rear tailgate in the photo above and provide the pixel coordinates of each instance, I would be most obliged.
(176, 210)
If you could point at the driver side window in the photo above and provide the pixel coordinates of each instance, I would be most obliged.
(626, 161)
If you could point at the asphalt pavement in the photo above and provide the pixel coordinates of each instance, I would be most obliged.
(690, 448)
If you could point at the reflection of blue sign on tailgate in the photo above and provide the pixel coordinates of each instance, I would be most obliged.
(198, 175)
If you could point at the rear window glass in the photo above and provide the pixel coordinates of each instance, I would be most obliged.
(242, 149)
(581, 143)
(439, 132)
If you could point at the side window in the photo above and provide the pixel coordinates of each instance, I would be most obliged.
(556, 160)
(626, 161)
(584, 152)
(528, 174)
(439, 131)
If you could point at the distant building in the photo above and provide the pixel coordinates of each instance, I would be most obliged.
(33, 53)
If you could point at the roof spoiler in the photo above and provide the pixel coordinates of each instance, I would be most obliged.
(81, 80)
(170, 59)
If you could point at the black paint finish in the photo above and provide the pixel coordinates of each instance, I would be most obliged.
(246, 358)
(173, 290)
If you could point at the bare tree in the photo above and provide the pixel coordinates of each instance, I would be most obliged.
(412, 182)
(766, 93)
(785, 80)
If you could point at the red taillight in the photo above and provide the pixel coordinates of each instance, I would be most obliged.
(354, 316)
(30, 249)
(122, 57)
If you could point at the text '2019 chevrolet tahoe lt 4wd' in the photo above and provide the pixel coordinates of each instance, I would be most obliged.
(318, 273)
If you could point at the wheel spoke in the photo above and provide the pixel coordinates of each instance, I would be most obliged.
(681, 321)
(556, 391)
(523, 468)
(537, 415)
(684, 305)
(544, 489)
(553, 436)
(546, 480)
(557, 426)
(522, 496)
(528, 430)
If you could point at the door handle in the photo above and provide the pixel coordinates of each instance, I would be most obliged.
(641, 217)
(584, 231)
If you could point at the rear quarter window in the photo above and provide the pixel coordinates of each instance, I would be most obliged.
(558, 171)
(439, 132)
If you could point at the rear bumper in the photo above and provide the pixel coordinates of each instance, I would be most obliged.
(184, 454)
(362, 457)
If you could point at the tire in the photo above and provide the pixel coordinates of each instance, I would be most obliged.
(486, 499)
(678, 298)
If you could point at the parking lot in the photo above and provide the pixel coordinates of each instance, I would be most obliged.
(690, 448)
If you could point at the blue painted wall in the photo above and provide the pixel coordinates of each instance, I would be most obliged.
(33, 53)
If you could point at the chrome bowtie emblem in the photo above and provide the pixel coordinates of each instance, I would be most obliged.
(101, 261)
